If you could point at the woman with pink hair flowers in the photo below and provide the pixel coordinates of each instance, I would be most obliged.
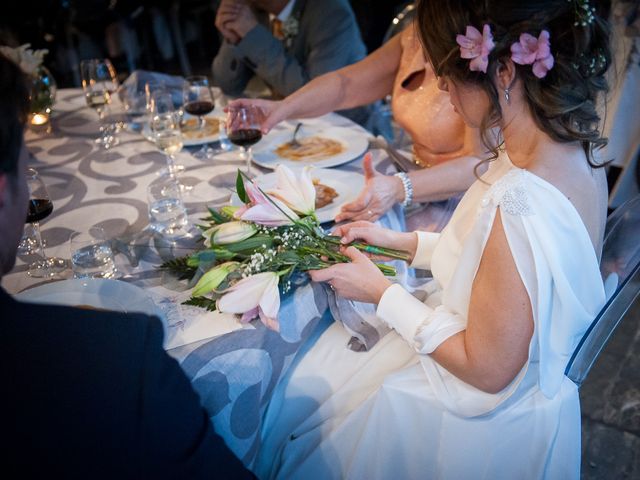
(470, 383)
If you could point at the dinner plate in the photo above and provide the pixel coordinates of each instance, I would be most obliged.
(105, 294)
(346, 184)
(354, 142)
(189, 138)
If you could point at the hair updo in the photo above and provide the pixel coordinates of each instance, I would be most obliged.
(563, 103)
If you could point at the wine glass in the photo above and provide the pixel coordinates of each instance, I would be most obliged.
(40, 207)
(198, 101)
(99, 82)
(165, 128)
(243, 129)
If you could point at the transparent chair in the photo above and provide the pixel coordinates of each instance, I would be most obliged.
(401, 21)
(620, 268)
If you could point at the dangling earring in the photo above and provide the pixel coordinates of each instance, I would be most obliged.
(506, 96)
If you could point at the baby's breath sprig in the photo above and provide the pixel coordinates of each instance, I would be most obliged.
(584, 12)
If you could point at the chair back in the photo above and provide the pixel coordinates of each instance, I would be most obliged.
(620, 269)
(401, 21)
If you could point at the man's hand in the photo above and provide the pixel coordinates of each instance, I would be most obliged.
(244, 20)
(227, 12)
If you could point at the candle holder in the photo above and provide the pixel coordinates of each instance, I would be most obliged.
(42, 97)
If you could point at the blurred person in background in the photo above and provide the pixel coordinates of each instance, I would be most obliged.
(285, 43)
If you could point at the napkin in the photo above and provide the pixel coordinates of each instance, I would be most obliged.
(184, 324)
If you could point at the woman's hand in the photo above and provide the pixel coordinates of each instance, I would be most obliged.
(359, 280)
(273, 111)
(375, 235)
(380, 194)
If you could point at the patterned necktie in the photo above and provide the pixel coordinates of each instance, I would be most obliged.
(276, 29)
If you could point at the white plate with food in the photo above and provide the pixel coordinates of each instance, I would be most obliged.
(319, 146)
(334, 188)
(90, 293)
(190, 134)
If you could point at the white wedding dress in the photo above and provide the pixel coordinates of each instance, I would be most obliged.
(394, 413)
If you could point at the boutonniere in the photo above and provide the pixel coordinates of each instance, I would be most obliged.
(290, 29)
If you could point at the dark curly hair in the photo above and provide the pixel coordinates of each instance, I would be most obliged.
(14, 108)
(563, 103)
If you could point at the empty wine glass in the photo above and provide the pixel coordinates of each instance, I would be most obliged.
(99, 82)
(40, 207)
(243, 129)
(198, 101)
(165, 128)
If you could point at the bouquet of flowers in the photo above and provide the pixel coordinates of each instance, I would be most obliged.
(256, 252)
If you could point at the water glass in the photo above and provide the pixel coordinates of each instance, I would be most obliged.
(135, 106)
(167, 213)
(91, 254)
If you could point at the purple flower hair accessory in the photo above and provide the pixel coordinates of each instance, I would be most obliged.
(476, 46)
(530, 50)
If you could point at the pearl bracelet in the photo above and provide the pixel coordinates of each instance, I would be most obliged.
(408, 188)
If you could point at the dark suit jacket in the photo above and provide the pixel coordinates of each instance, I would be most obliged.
(91, 394)
(328, 38)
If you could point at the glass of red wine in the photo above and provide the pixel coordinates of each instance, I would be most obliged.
(40, 207)
(198, 101)
(243, 129)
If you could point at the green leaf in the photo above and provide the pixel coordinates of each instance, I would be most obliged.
(242, 193)
(218, 217)
(251, 244)
(180, 267)
(202, 302)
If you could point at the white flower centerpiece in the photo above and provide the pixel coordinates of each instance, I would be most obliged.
(43, 85)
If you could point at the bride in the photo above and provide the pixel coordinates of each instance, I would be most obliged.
(470, 383)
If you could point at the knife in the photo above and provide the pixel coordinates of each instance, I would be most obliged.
(403, 163)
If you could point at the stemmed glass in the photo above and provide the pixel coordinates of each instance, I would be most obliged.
(243, 129)
(40, 207)
(165, 127)
(99, 82)
(198, 100)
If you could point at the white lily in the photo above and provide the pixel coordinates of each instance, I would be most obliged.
(213, 278)
(297, 192)
(254, 296)
(264, 211)
(229, 232)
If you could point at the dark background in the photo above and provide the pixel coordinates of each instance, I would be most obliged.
(170, 36)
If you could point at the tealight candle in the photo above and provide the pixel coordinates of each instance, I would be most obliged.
(39, 119)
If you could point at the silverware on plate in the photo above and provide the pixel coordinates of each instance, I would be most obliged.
(403, 163)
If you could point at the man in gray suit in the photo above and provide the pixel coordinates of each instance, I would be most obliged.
(285, 43)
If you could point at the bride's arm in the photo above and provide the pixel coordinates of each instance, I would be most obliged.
(493, 347)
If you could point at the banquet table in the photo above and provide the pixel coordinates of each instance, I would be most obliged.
(233, 367)
(90, 186)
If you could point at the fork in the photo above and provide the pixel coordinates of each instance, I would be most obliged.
(294, 142)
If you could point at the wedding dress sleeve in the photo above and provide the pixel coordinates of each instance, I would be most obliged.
(426, 244)
(556, 261)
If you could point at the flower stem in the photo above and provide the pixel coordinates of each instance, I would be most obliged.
(373, 249)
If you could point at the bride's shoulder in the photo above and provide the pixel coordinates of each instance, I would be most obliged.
(569, 182)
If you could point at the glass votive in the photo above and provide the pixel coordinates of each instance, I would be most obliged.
(91, 254)
(167, 213)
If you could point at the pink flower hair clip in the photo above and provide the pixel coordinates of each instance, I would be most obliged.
(530, 50)
(476, 46)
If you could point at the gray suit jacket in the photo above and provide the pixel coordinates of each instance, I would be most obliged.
(328, 38)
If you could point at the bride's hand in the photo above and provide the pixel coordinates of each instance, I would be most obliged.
(359, 280)
(375, 235)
